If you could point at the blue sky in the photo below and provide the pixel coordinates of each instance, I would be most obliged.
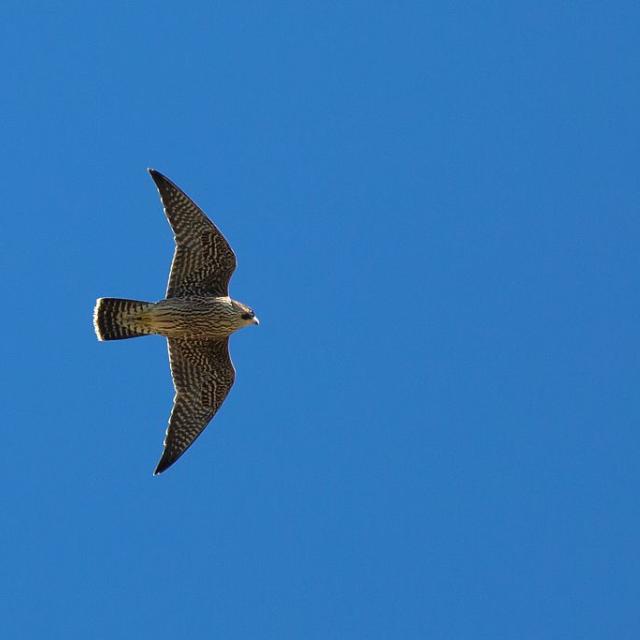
(434, 431)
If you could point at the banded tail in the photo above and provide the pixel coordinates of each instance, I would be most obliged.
(116, 318)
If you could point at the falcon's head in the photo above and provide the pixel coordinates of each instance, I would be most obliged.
(246, 315)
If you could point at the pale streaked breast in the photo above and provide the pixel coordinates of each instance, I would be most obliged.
(192, 317)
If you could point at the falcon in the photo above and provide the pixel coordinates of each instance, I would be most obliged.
(197, 316)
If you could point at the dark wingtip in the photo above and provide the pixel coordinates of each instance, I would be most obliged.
(163, 465)
(161, 180)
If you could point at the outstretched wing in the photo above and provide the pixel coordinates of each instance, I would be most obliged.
(203, 261)
(202, 376)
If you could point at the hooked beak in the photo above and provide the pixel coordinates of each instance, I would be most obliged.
(255, 320)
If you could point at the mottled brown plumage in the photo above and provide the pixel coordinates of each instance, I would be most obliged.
(197, 316)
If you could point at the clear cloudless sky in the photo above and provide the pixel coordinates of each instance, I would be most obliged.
(434, 430)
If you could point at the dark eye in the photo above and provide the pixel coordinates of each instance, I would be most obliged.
(248, 316)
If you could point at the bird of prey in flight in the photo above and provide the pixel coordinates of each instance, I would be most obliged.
(197, 316)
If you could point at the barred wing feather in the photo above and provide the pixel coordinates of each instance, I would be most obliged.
(203, 261)
(202, 374)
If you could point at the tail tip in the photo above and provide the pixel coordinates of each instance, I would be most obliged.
(96, 325)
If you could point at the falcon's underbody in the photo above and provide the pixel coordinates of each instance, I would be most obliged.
(197, 316)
